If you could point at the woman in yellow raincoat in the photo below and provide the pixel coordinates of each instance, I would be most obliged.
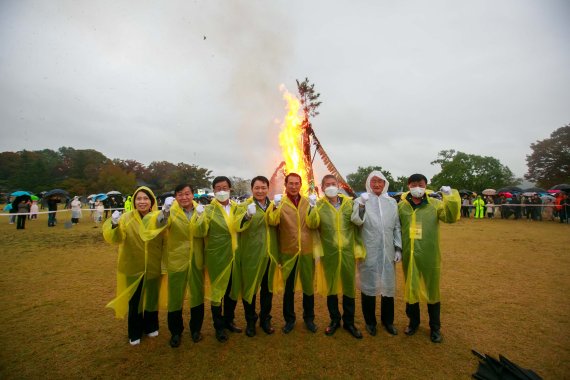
(256, 256)
(336, 268)
(184, 257)
(216, 226)
(421, 258)
(139, 267)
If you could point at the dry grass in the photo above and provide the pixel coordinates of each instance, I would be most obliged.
(505, 287)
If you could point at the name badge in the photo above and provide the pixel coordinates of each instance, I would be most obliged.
(416, 233)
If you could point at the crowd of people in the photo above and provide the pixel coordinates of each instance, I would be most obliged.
(226, 251)
(529, 206)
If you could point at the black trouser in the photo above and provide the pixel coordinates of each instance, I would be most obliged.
(176, 323)
(51, 219)
(434, 309)
(265, 302)
(21, 222)
(348, 308)
(289, 300)
(75, 220)
(369, 309)
(465, 211)
(229, 305)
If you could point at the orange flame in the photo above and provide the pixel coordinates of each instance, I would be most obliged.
(290, 139)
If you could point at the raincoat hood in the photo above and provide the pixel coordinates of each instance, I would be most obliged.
(378, 174)
(153, 206)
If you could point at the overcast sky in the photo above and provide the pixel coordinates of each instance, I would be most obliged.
(198, 81)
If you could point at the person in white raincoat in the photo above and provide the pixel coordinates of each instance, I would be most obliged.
(75, 210)
(377, 213)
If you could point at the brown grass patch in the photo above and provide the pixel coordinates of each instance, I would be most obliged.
(505, 287)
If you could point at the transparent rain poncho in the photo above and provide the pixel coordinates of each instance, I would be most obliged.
(339, 247)
(295, 242)
(257, 246)
(220, 244)
(137, 260)
(183, 254)
(381, 235)
(421, 256)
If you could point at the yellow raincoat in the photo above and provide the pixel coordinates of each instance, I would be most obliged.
(336, 268)
(220, 244)
(257, 244)
(295, 241)
(421, 257)
(137, 260)
(184, 255)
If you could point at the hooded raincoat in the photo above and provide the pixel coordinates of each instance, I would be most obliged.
(220, 245)
(381, 235)
(295, 241)
(137, 260)
(129, 204)
(184, 254)
(339, 248)
(257, 245)
(421, 256)
(76, 208)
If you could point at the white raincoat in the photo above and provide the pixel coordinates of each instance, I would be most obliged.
(381, 234)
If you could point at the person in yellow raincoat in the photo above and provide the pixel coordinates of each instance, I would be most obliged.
(295, 250)
(216, 225)
(479, 205)
(256, 256)
(331, 216)
(184, 257)
(421, 257)
(139, 267)
(129, 204)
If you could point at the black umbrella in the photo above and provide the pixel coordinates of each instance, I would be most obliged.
(510, 189)
(562, 186)
(57, 192)
(19, 199)
(534, 190)
(493, 369)
(465, 192)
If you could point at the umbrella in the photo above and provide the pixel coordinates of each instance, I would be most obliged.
(535, 190)
(528, 193)
(510, 189)
(8, 207)
(19, 199)
(91, 196)
(506, 194)
(493, 369)
(465, 192)
(562, 186)
(553, 191)
(489, 192)
(57, 192)
(100, 197)
(34, 198)
(18, 193)
(114, 192)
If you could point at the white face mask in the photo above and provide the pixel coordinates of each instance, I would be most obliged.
(222, 196)
(417, 192)
(331, 191)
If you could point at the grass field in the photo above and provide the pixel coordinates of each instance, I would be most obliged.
(505, 287)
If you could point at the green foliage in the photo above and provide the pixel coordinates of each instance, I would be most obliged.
(88, 171)
(549, 162)
(358, 180)
(468, 171)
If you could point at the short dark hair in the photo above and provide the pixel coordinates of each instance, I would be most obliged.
(221, 179)
(328, 176)
(293, 175)
(182, 186)
(261, 179)
(417, 178)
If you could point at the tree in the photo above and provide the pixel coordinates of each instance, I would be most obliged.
(358, 180)
(468, 171)
(309, 99)
(112, 177)
(240, 186)
(549, 163)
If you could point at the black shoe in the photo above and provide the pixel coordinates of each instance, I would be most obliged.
(331, 328)
(410, 330)
(311, 326)
(371, 329)
(233, 328)
(175, 341)
(288, 327)
(221, 336)
(436, 336)
(196, 336)
(250, 329)
(354, 331)
(391, 329)
(266, 326)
